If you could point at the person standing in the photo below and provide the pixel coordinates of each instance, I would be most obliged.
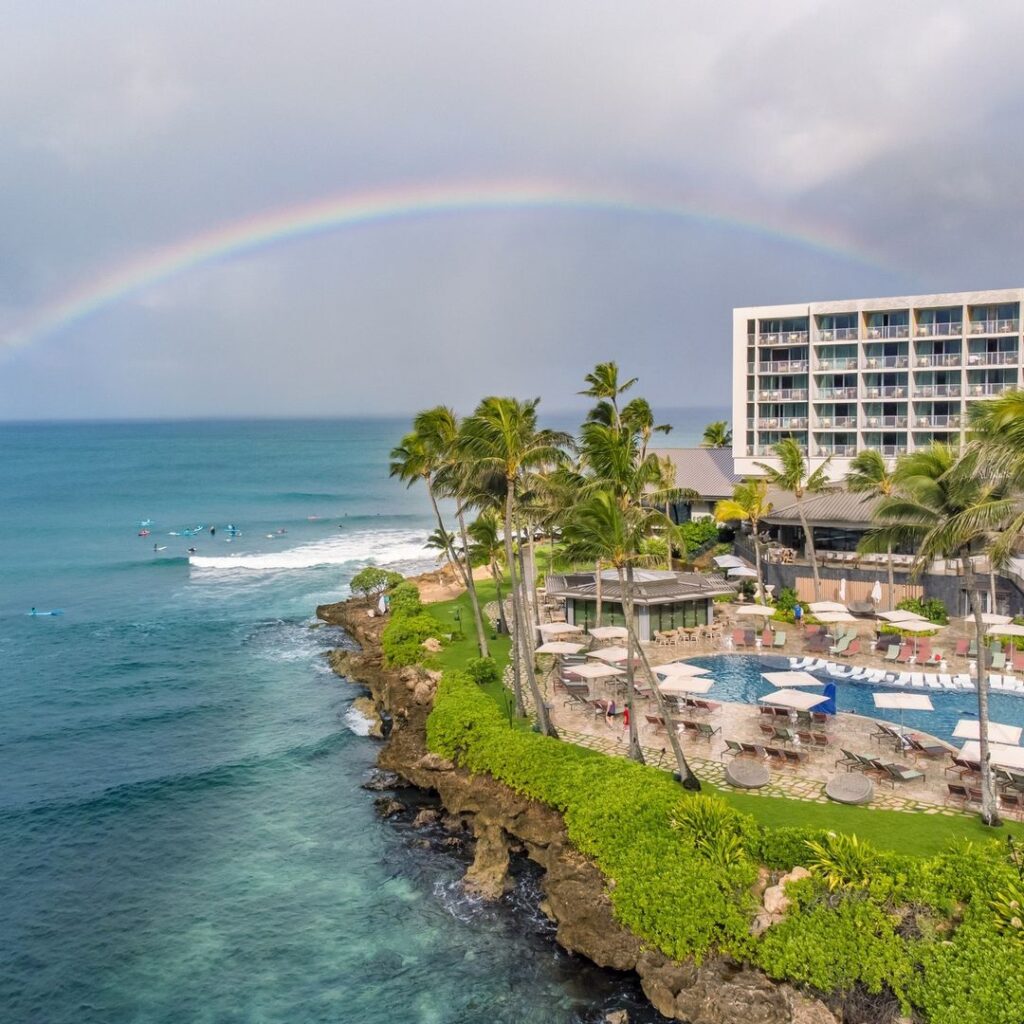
(798, 615)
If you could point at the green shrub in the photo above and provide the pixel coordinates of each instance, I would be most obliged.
(696, 534)
(405, 598)
(933, 609)
(373, 580)
(482, 670)
(786, 601)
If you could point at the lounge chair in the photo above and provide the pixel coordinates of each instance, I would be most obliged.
(705, 730)
(886, 734)
(859, 673)
(749, 637)
(931, 680)
(820, 717)
(998, 660)
(821, 739)
(732, 749)
(1012, 803)
(902, 679)
(917, 679)
(767, 729)
(752, 749)
(685, 727)
(780, 639)
(962, 768)
(839, 647)
(776, 755)
(852, 648)
(876, 675)
(893, 653)
(906, 653)
(739, 638)
(901, 773)
(961, 648)
(784, 734)
(946, 681)
(917, 748)
(795, 758)
(848, 761)
(972, 649)
(656, 721)
(707, 705)
(1018, 661)
(798, 663)
(957, 793)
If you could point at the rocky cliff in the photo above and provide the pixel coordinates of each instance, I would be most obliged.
(717, 991)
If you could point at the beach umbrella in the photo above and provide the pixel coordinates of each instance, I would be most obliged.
(969, 729)
(592, 671)
(801, 700)
(781, 680)
(727, 561)
(1003, 754)
(817, 607)
(680, 670)
(876, 591)
(612, 655)
(829, 707)
(742, 571)
(903, 701)
(842, 590)
(608, 632)
(755, 609)
(900, 616)
(832, 618)
(559, 647)
(991, 619)
(1010, 629)
(689, 684)
(924, 626)
(558, 629)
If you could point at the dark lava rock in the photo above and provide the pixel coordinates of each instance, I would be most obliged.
(387, 807)
(379, 781)
(452, 843)
(428, 816)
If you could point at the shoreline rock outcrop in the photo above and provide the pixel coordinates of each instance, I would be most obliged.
(717, 991)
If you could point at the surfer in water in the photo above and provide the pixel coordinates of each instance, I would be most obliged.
(213, 531)
(191, 551)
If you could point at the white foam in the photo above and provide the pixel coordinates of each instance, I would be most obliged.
(382, 547)
(357, 722)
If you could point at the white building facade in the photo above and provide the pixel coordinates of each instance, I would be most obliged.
(892, 374)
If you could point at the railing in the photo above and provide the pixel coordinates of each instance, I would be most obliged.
(784, 338)
(893, 331)
(831, 393)
(842, 450)
(994, 326)
(936, 390)
(783, 395)
(886, 362)
(940, 330)
(768, 449)
(1007, 358)
(890, 451)
(886, 421)
(836, 423)
(940, 359)
(839, 363)
(887, 391)
(998, 388)
(784, 366)
(937, 421)
(783, 423)
(839, 334)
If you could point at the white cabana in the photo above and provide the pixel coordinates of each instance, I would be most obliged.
(903, 701)
(756, 609)
(608, 632)
(686, 685)
(680, 670)
(743, 571)
(834, 618)
(611, 655)
(817, 607)
(559, 647)
(1001, 753)
(549, 629)
(801, 700)
(969, 729)
(592, 671)
(782, 680)
(728, 561)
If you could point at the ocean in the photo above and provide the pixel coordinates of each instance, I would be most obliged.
(183, 836)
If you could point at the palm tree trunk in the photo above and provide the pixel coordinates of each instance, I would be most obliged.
(635, 752)
(763, 597)
(521, 624)
(497, 590)
(989, 808)
(668, 540)
(892, 585)
(597, 592)
(809, 547)
(516, 632)
(474, 601)
(530, 634)
(992, 590)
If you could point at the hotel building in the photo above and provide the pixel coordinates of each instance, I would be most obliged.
(892, 374)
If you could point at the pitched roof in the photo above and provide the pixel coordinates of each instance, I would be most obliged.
(649, 586)
(836, 508)
(708, 471)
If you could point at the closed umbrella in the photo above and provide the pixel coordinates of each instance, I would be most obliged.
(842, 590)
(876, 592)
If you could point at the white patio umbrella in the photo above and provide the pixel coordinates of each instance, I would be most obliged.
(833, 618)
(1010, 629)
(817, 607)
(913, 626)
(756, 609)
(899, 616)
(969, 729)
(592, 671)
(781, 680)
(686, 685)
(558, 629)
(801, 700)
(559, 647)
(742, 571)
(842, 589)
(680, 670)
(903, 701)
(608, 632)
(727, 561)
(1002, 754)
(612, 655)
(991, 619)
(876, 591)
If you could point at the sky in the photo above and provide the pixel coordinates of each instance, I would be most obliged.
(555, 185)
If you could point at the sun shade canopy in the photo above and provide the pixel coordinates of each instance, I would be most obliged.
(798, 699)
(612, 655)
(968, 729)
(593, 671)
(682, 684)
(680, 670)
(609, 632)
(782, 680)
(559, 647)
(903, 701)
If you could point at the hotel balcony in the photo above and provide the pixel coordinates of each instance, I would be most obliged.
(939, 330)
(836, 423)
(892, 331)
(838, 363)
(784, 338)
(876, 422)
(987, 390)
(886, 391)
(995, 326)
(839, 334)
(830, 394)
(936, 390)
(948, 422)
(891, 451)
(942, 359)
(1008, 358)
(843, 451)
(783, 395)
(769, 449)
(886, 362)
(783, 423)
(784, 366)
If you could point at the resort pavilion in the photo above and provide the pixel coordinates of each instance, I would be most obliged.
(662, 600)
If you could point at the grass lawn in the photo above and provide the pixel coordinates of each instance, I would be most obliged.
(888, 830)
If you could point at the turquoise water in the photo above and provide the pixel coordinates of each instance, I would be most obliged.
(182, 835)
(738, 677)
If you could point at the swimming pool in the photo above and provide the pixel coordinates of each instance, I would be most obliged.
(738, 678)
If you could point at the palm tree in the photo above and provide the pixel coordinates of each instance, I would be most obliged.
(947, 509)
(442, 541)
(869, 475)
(794, 477)
(749, 504)
(487, 548)
(502, 437)
(717, 435)
(604, 385)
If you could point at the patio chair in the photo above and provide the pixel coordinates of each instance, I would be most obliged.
(656, 721)
(1013, 803)
(739, 638)
(956, 793)
(795, 758)
(847, 761)
(766, 637)
(893, 653)
(901, 773)
(780, 640)
(998, 660)
(663, 639)
(961, 648)
(706, 731)
(906, 653)
(732, 749)
(933, 751)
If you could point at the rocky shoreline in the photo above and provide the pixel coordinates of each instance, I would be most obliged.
(501, 822)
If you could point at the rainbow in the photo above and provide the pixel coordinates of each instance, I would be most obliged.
(321, 216)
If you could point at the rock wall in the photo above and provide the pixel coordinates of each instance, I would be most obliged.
(718, 991)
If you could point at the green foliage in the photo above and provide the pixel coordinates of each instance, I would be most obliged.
(405, 598)
(933, 609)
(842, 861)
(786, 600)
(890, 630)
(696, 534)
(1008, 907)
(373, 580)
(403, 637)
(482, 671)
(716, 830)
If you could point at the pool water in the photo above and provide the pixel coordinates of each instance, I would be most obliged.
(738, 678)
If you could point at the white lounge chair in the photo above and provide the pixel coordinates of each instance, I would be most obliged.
(901, 679)
(931, 680)
(917, 679)
(859, 673)
(946, 681)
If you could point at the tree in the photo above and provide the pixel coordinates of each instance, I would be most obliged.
(486, 547)
(717, 435)
(502, 436)
(444, 542)
(372, 580)
(946, 508)
(869, 475)
(749, 504)
(793, 476)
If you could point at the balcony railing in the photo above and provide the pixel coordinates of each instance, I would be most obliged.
(1009, 358)
(890, 451)
(784, 366)
(783, 423)
(950, 422)
(842, 450)
(942, 359)
(984, 390)
(995, 326)
(936, 390)
(838, 334)
(768, 449)
(940, 330)
(841, 363)
(886, 362)
(831, 393)
(784, 338)
(783, 395)
(893, 331)
(899, 422)
(886, 391)
(836, 423)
